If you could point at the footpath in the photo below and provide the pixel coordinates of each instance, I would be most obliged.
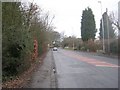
(44, 76)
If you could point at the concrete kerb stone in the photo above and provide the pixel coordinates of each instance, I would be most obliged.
(55, 73)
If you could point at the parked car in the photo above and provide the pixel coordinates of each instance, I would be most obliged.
(55, 49)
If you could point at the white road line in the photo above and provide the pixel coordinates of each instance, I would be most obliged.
(107, 65)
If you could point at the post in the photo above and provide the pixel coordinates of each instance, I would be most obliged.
(119, 13)
(108, 31)
(102, 27)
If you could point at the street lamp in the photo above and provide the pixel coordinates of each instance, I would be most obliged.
(102, 27)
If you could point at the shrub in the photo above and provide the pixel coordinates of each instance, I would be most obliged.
(114, 47)
(83, 49)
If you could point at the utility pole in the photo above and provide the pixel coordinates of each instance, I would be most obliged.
(108, 31)
(73, 39)
(119, 18)
(119, 13)
(102, 28)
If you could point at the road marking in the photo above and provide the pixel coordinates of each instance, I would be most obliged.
(92, 61)
(107, 66)
(97, 62)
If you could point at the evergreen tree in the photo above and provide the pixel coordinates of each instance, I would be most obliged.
(88, 26)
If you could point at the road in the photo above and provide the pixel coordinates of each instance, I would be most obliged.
(85, 70)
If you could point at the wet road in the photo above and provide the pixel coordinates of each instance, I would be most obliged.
(84, 70)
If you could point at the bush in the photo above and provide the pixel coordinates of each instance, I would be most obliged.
(13, 61)
(20, 27)
(17, 41)
(91, 46)
(114, 47)
(83, 49)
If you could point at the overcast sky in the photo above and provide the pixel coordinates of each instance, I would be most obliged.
(68, 13)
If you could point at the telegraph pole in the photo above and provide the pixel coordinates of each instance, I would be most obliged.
(102, 28)
(73, 39)
(108, 31)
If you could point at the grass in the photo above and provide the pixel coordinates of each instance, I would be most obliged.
(68, 48)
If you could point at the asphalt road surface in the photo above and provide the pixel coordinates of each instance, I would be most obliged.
(85, 70)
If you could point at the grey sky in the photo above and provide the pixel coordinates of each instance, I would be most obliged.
(68, 12)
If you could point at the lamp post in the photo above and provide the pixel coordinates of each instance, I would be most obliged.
(102, 27)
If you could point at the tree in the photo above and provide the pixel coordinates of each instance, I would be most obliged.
(110, 38)
(53, 36)
(71, 42)
(106, 28)
(115, 21)
(22, 29)
(88, 26)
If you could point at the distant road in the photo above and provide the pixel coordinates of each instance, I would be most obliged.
(84, 70)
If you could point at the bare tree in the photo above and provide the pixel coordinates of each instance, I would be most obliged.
(115, 21)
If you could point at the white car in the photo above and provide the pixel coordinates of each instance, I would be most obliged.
(55, 49)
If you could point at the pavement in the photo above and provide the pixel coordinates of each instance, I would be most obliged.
(44, 76)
